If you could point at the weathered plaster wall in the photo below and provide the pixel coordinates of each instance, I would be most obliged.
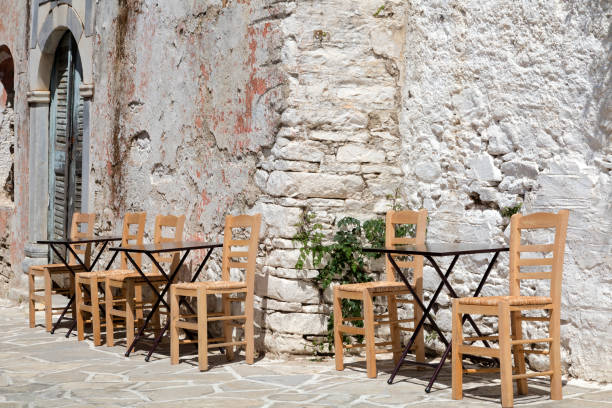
(13, 151)
(186, 95)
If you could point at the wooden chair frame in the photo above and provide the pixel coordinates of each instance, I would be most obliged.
(93, 280)
(509, 309)
(50, 271)
(130, 284)
(230, 291)
(390, 288)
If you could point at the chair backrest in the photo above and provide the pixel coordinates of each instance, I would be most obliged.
(82, 228)
(554, 263)
(400, 220)
(238, 252)
(132, 221)
(168, 222)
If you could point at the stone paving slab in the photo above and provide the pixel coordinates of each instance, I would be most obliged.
(42, 370)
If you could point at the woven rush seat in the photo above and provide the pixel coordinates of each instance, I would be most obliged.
(123, 274)
(59, 267)
(376, 286)
(512, 300)
(92, 274)
(211, 285)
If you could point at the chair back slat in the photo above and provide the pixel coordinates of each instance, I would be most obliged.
(240, 253)
(82, 228)
(136, 238)
(551, 258)
(176, 224)
(405, 218)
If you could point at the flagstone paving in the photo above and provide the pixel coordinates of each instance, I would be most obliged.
(38, 369)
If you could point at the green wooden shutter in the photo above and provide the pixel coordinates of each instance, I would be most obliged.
(66, 139)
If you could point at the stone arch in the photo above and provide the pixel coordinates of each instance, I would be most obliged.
(7, 76)
(59, 20)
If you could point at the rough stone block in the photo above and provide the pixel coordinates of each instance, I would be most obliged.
(355, 153)
(311, 185)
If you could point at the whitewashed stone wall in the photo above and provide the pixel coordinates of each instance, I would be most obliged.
(466, 107)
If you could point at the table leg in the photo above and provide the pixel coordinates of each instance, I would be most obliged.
(426, 315)
(183, 301)
(465, 318)
(454, 294)
(160, 296)
(63, 259)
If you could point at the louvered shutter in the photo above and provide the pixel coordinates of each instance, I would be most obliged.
(66, 140)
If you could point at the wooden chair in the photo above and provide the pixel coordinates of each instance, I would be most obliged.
(130, 284)
(81, 228)
(234, 257)
(390, 288)
(93, 280)
(509, 309)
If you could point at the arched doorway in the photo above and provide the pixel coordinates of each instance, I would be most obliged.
(65, 138)
(7, 77)
(7, 128)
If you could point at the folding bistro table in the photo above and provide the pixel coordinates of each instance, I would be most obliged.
(88, 268)
(431, 251)
(149, 250)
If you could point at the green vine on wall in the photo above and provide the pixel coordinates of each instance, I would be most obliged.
(343, 260)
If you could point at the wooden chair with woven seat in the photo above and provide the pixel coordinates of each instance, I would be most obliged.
(508, 310)
(389, 288)
(93, 281)
(234, 257)
(131, 284)
(81, 228)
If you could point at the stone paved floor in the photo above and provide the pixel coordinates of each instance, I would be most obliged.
(42, 370)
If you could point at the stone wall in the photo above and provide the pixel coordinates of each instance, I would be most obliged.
(13, 147)
(464, 109)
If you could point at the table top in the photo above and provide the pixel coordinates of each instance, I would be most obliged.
(167, 247)
(68, 241)
(441, 249)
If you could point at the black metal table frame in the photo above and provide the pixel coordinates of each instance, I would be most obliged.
(427, 309)
(169, 281)
(68, 244)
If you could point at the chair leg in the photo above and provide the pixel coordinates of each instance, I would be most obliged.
(457, 357)
(338, 345)
(95, 311)
(31, 301)
(518, 351)
(138, 295)
(71, 293)
(48, 302)
(505, 355)
(227, 328)
(249, 329)
(130, 310)
(202, 329)
(419, 342)
(174, 332)
(395, 330)
(110, 325)
(368, 325)
(78, 298)
(556, 392)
